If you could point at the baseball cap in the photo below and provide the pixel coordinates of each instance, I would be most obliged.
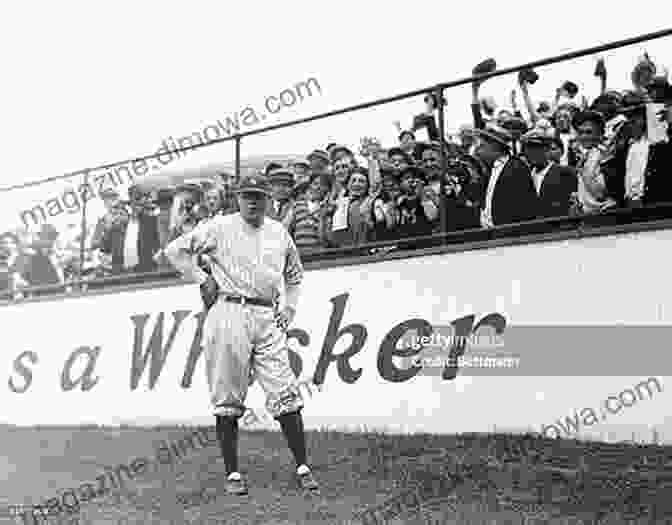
(254, 182)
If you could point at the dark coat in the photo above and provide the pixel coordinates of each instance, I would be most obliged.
(514, 198)
(148, 243)
(657, 177)
(556, 189)
(40, 271)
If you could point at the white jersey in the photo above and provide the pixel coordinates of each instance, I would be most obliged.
(248, 261)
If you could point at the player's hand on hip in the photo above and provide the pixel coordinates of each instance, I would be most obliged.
(210, 287)
(284, 317)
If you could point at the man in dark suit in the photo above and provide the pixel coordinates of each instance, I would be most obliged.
(135, 241)
(553, 183)
(510, 195)
(638, 171)
(43, 266)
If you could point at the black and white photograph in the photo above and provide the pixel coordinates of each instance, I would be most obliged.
(361, 263)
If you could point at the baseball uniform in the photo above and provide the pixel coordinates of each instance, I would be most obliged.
(242, 342)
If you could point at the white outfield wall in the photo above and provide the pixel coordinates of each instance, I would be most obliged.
(614, 280)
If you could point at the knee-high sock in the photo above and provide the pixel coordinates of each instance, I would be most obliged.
(292, 428)
(227, 433)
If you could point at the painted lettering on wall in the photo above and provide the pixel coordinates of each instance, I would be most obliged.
(152, 355)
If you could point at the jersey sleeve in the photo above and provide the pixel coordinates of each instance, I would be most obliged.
(183, 251)
(293, 273)
(293, 266)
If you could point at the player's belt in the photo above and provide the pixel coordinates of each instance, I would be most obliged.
(239, 299)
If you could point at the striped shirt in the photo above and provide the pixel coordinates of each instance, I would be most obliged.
(252, 262)
(306, 226)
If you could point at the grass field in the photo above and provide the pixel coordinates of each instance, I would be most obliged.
(357, 470)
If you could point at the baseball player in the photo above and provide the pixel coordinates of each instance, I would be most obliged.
(253, 260)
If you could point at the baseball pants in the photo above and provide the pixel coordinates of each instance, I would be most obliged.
(243, 344)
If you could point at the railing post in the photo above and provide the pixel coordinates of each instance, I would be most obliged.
(82, 241)
(438, 94)
(237, 158)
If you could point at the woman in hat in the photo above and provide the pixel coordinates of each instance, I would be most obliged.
(386, 214)
(417, 205)
(319, 161)
(399, 159)
(338, 152)
(342, 169)
(588, 155)
(407, 143)
(351, 219)
(463, 193)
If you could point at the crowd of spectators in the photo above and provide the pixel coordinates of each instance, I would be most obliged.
(562, 157)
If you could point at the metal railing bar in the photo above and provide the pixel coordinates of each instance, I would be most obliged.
(444, 85)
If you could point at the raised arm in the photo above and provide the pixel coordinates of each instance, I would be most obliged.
(479, 123)
(534, 117)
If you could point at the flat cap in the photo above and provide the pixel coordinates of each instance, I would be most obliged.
(254, 182)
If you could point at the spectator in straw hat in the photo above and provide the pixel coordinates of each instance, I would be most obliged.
(309, 222)
(271, 166)
(510, 195)
(301, 171)
(338, 152)
(280, 204)
(553, 183)
(319, 161)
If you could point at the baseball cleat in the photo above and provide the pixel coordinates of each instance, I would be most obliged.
(236, 487)
(307, 482)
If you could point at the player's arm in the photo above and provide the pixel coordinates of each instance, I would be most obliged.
(293, 275)
(181, 252)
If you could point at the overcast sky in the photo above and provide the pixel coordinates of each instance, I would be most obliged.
(85, 84)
